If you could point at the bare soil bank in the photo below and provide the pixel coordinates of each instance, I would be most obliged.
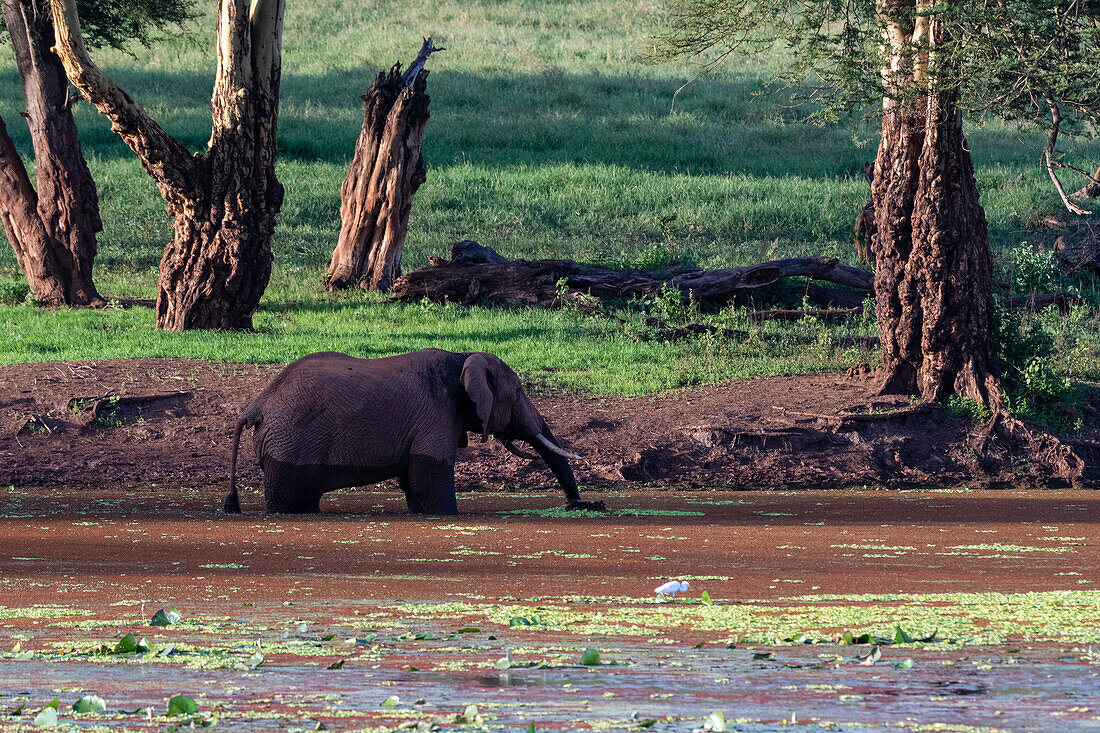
(135, 422)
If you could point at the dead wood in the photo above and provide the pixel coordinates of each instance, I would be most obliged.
(798, 315)
(386, 171)
(695, 329)
(794, 291)
(864, 343)
(1090, 189)
(478, 274)
(785, 439)
(1038, 301)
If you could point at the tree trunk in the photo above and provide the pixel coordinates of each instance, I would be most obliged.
(35, 249)
(893, 192)
(52, 229)
(951, 266)
(933, 276)
(224, 202)
(386, 171)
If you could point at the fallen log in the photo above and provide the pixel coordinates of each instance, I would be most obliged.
(798, 315)
(1038, 301)
(695, 329)
(478, 274)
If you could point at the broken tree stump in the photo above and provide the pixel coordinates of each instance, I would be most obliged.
(386, 171)
(865, 221)
(477, 274)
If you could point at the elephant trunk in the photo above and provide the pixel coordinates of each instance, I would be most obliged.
(232, 501)
(546, 445)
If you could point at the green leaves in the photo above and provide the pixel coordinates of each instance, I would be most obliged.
(850, 639)
(715, 722)
(591, 658)
(129, 645)
(182, 705)
(47, 716)
(89, 704)
(901, 637)
(165, 618)
(532, 620)
(704, 598)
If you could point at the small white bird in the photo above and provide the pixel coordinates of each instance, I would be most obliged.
(671, 588)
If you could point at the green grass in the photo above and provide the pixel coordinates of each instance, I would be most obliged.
(549, 137)
(554, 348)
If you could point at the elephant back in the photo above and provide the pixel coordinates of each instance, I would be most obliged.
(336, 410)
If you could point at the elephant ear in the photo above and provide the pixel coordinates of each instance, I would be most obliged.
(475, 378)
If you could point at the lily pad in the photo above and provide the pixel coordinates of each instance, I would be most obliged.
(165, 618)
(715, 722)
(90, 704)
(590, 658)
(129, 645)
(46, 718)
(182, 705)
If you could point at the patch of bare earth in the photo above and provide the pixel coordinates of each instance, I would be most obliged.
(169, 421)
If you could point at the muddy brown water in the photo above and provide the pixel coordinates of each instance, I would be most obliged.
(494, 609)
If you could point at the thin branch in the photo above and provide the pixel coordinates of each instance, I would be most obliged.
(1056, 121)
(1086, 174)
(418, 63)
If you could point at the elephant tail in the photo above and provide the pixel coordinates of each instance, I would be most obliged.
(233, 502)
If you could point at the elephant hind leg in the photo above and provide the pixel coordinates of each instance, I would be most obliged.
(281, 500)
(431, 484)
(290, 489)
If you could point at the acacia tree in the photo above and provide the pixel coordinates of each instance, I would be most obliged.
(927, 65)
(52, 223)
(224, 200)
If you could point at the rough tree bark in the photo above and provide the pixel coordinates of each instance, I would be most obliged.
(51, 225)
(933, 278)
(385, 173)
(223, 201)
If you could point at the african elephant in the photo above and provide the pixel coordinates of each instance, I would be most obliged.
(330, 421)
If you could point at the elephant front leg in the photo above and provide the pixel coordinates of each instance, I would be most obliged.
(410, 501)
(431, 486)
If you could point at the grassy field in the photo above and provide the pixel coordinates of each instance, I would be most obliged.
(550, 136)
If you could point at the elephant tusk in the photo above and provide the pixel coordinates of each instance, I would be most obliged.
(510, 446)
(540, 438)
